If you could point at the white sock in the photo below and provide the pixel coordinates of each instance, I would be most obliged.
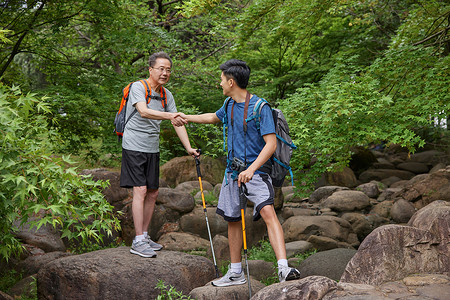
(139, 238)
(236, 267)
(282, 263)
(145, 234)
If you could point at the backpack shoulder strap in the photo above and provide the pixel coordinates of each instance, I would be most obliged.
(164, 98)
(148, 90)
(257, 111)
(225, 122)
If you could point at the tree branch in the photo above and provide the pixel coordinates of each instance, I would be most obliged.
(21, 38)
(432, 36)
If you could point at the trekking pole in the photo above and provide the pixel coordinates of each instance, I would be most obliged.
(199, 174)
(242, 199)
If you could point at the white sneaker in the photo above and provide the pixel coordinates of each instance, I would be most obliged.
(143, 249)
(230, 278)
(153, 245)
(287, 273)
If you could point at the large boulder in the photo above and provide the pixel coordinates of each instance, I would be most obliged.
(392, 252)
(181, 169)
(117, 274)
(435, 218)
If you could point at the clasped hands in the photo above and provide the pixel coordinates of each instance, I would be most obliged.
(178, 119)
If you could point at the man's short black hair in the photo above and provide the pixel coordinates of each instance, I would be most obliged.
(155, 56)
(237, 70)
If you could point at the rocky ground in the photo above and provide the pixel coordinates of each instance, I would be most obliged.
(381, 228)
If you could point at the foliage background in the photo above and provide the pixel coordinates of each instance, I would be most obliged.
(346, 73)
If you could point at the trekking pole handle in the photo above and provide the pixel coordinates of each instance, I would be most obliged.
(242, 197)
(197, 163)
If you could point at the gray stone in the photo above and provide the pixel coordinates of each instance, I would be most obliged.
(324, 192)
(176, 200)
(382, 209)
(380, 174)
(388, 194)
(414, 167)
(399, 184)
(437, 167)
(297, 211)
(193, 186)
(323, 243)
(345, 178)
(181, 241)
(371, 189)
(360, 224)
(431, 157)
(32, 264)
(181, 169)
(330, 263)
(402, 211)
(117, 274)
(426, 188)
(260, 269)
(309, 288)
(302, 227)
(390, 180)
(297, 247)
(46, 237)
(351, 291)
(342, 201)
(235, 292)
(221, 250)
(195, 222)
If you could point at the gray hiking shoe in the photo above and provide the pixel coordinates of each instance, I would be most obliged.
(153, 245)
(142, 248)
(230, 278)
(287, 273)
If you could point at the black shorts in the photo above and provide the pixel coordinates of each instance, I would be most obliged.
(139, 169)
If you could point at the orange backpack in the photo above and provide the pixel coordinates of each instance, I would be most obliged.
(121, 121)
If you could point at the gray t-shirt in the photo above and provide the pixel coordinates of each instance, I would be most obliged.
(142, 134)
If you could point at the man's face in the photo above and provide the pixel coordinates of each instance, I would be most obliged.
(225, 83)
(160, 72)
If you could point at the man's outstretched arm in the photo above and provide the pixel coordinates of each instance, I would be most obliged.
(208, 118)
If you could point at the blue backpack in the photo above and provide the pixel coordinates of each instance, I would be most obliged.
(281, 158)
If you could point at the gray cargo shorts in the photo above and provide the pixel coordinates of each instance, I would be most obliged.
(260, 192)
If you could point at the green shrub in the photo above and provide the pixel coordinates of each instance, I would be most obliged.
(35, 182)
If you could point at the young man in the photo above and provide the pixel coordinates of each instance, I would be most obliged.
(140, 148)
(253, 147)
